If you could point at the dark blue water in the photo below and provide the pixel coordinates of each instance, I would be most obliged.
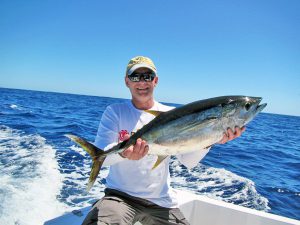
(43, 174)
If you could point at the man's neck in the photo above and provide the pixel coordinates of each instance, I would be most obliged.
(143, 105)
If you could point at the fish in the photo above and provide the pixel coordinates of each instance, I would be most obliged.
(197, 125)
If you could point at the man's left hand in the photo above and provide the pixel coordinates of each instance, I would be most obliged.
(230, 135)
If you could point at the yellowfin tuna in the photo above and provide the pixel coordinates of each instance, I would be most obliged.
(196, 125)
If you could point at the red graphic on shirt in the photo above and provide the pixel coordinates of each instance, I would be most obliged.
(122, 134)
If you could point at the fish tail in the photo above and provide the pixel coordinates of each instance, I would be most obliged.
(97, 154)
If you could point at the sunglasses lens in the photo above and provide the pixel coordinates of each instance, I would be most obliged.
(147, 77)
(136, 77)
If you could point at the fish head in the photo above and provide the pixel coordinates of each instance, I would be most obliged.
(243, 109)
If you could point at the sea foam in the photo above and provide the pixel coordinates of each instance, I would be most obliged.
(30, 179)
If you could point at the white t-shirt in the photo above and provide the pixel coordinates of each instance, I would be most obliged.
(136, 177)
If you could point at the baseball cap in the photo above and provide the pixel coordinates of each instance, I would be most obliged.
(139, 62)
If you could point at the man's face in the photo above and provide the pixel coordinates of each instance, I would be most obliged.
(142, 90)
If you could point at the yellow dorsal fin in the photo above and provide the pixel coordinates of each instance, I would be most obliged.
(160, 158)
(154, 112)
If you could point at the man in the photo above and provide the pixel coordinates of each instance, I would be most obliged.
(135, 192)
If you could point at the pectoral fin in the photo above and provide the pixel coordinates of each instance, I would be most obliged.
(154, 112)
(160, 158)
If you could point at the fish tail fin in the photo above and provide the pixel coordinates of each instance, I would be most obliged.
(96, 166)
(98, 155)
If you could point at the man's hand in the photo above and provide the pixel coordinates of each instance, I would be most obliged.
(137, 151)
(230, 135)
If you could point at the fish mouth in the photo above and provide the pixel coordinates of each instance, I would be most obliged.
(259, 108)
(256, 107)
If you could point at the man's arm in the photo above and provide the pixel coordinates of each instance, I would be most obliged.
(107, 135)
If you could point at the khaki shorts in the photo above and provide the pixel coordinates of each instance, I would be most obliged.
(119, 208)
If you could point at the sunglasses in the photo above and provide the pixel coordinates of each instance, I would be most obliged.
(136, 77)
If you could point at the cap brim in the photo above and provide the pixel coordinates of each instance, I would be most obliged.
(137, 66)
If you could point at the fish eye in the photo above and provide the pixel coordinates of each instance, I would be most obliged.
(247, 106)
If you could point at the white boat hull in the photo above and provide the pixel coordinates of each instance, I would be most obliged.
(200, 210)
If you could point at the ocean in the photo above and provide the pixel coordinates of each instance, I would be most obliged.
(43, 174)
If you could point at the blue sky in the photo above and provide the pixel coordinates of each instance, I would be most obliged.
(202, 49)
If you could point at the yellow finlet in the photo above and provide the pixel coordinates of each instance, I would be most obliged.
(154, 112)
(160, 158)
